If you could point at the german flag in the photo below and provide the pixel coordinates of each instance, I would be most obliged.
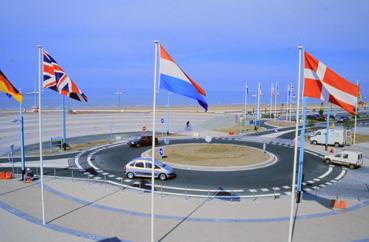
(8, 88)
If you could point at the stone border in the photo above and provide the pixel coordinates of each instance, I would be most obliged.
(271, 161)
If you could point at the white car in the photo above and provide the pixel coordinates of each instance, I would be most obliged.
(350, 158)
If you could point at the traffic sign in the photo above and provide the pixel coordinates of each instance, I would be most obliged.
(144, 128)
(161, 151)
(166, 141)
(162, 120)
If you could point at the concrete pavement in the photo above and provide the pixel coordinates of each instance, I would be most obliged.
(80, 210)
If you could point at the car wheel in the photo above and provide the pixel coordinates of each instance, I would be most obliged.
(336, 144)
(130, 175)
(162, 176)
(352, 166)
(328, 161)
(314, 142)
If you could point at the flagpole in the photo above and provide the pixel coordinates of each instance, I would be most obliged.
(275, 101)
(293, 193)
(291, 93)
(287, 101)
(40, 75)
(258, 107)
(21, 127)
(301, 151)
(271, 101)
(356, 112)
(327, 127)
(156, 42)
(245, 111)
(168, 114)
(64, 125)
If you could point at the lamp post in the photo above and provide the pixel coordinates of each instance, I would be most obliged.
(21, 127)
(119, 93)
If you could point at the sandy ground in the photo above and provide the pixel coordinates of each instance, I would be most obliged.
(362, 138)
(213, 155)
(280, 123)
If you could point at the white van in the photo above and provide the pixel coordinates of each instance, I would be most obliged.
(336, 137)
(350, 158)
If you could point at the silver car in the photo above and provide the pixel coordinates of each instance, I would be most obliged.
(141, 167)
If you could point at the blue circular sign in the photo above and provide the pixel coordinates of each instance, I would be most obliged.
(161, 151)
(162, 120)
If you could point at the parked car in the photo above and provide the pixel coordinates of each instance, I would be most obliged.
(341, 119)
(141, 167)
(143, 141)
(350, 158)
(313, 116)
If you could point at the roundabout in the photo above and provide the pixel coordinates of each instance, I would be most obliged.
(213, 157)
(274, 179)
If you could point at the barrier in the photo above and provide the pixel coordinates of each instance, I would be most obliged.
(338, 204)
(8, 175)
(2, 175)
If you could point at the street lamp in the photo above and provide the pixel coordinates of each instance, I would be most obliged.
(119, 93)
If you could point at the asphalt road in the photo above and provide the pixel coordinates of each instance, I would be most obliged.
(112, 159)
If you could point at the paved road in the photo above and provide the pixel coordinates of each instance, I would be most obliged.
(111, 160)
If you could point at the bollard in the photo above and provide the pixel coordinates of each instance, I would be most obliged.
(54, 172)
(72, 175)
(105, 180)
(274, 193)
(208, 193)
(17, 170)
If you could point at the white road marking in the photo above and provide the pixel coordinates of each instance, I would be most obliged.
(304, 183)
(264, 190)
(105, 173)
(127, 180)
(328, 183)
(119, 178)
(100, 171)
(311, 182)
(287, 193)
(308, 189)
(330, 169)
(276, 188)
(286, 187)
(316, 187)
(343, 172)
(111, 176)
(322, 185)
(253, 190)
(97, 178)
(316, 179)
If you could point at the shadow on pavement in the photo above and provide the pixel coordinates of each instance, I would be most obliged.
(325, 202)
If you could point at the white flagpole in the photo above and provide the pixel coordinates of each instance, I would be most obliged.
(156, 42)
(291, 93)
(287, 100)
(245, 110)
(271, 101)
(356, 110)
(258, 107)
(293, 193)
(275, 101)
(40, 76)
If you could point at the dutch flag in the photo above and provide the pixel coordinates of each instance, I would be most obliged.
(175, 80)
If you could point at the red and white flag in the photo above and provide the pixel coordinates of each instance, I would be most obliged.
(319, 77)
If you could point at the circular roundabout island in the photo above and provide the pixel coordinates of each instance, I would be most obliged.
(203, 156)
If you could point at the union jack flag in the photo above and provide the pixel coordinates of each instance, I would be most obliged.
(56, 79)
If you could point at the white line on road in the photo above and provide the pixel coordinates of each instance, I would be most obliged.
(330, 169)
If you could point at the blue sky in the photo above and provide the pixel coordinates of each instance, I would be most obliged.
(107, 46)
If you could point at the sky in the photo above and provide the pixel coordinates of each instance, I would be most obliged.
(108, 46)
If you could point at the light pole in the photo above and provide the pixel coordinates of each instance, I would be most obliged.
(21, 127)
(119, 93)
